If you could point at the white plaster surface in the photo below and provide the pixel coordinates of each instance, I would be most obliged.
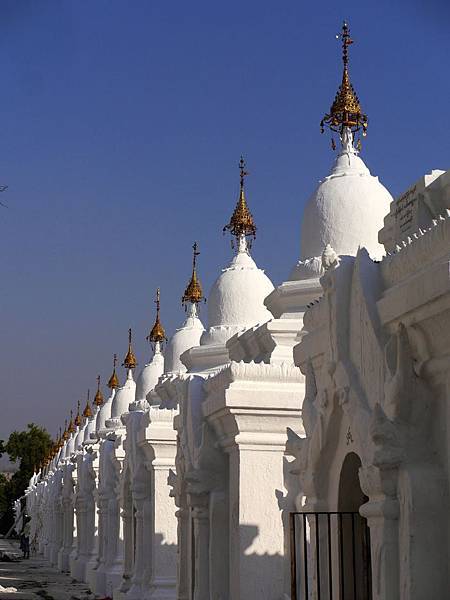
(346, 211)
(201, 462)
(236, 299)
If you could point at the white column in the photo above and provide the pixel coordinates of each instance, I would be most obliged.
(158, 442)
(184, 550)
(68, 514)
(200, 516)
(256, 527)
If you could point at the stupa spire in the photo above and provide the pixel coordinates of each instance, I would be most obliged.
(98, 399)
(130, 361)
(61, 439)
(193, 293)
(87, 412)
(345, 116)
(157, 335)
(66, 433)
(241, 224)
(113, 381)
(78, 421)
(71, 426)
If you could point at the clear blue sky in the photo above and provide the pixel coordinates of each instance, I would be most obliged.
(121, 127)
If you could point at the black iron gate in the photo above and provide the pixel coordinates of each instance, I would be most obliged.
(330, 556)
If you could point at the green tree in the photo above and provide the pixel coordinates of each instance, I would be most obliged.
(30, 448)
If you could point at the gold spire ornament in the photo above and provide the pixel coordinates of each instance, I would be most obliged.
(157, 335)
(56, 446)
(60, 439)
(346, 110)
(113, 382)
(66, 434)
(193, 292)
(87, 412)
(71, 427)
(129, 361)
(98, 399)
(77, 421)
(241, 223)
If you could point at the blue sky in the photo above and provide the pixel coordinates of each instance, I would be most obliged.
(121, 127)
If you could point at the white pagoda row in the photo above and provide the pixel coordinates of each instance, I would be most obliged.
(296, 444)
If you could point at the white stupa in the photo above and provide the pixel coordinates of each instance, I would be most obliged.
(184, 339)
(125, 395)
(105, 409)
(153, 370)
(90, 414)
(189, 334)
(76, 430)
(347, 209)
(236, 300)
(69, 438)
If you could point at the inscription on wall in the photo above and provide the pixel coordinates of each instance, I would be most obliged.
(406, 213)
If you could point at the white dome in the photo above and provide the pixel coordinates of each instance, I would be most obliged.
(346, 211)
(90, 427)
(121, 401)
(79, 436)
(70, 444)
(149, 375)
(105, 412)
(236, 300)
(184, 338)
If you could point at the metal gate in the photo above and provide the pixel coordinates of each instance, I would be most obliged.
(330, 556)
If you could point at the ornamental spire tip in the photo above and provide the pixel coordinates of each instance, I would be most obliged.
(77, 421)
(87, 412)
(130, 362)
(98, 399)
(157, 335)
(241, 224)
(193, 292)
(345, 112)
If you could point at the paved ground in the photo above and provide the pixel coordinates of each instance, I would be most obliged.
(34, 578)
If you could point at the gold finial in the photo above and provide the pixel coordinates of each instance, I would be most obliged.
(87, 412)
(61, 439)
(77, 421)
(98, 399)
(241, 223)
(55, 447)
(129, 361)
(193, 293)
(346, 109)
(71, 427)
(66, 434)
(157, 334)
(113, 382)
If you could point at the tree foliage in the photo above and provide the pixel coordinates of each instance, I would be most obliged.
(29, 447)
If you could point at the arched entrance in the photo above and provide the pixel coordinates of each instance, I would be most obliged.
(330, 550)
(353, 534)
